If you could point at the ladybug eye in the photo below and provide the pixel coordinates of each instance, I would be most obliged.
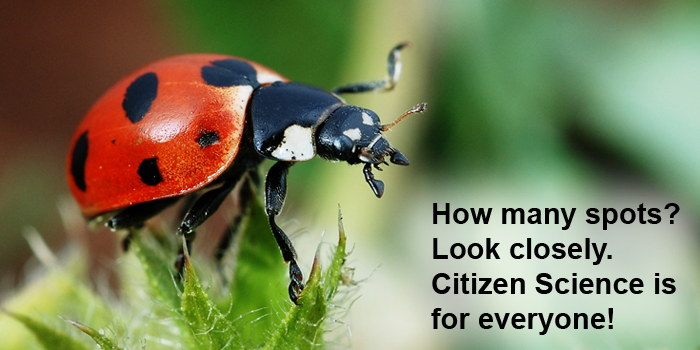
(333, 145)
(343, 148)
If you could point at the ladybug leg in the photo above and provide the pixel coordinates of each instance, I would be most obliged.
(200, 211)
(187, 203)
(275, 193)
(126, 241)
(135, 215)
(205, 206)
(393, 66)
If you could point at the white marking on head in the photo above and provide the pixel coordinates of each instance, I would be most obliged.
(369, 147)
(367, 119)
(297, 144)
(376, 138)
(354, 134)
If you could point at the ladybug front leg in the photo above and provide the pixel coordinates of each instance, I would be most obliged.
(275, 193)
(393, 65)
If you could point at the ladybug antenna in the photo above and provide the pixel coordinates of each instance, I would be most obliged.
(419, 108)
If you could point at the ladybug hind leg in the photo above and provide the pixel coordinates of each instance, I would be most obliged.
(275, 193)
(135, 215)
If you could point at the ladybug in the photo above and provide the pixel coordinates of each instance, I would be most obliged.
(201, 123)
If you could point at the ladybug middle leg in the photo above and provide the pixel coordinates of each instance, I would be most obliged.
(388, 83)
(275, 193)
(203, 208)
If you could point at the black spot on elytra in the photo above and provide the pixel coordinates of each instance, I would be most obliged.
(230, 72)
(148, 170)
(139, 95)
(208, 139)
(78, 159)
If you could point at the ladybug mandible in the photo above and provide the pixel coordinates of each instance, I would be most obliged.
(197, 121)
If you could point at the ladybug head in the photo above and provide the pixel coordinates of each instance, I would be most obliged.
(354, 135)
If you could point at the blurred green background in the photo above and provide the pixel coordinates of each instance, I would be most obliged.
(533, 104)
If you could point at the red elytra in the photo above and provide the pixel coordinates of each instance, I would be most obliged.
(184, 109)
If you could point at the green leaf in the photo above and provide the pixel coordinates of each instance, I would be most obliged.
(156, 261)
(210, 327)
(260, 279)
(335, 272)
(49, 337)
(101, 340)
(61, 290)
(303, 328)
(158, 269)
(155, 311)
